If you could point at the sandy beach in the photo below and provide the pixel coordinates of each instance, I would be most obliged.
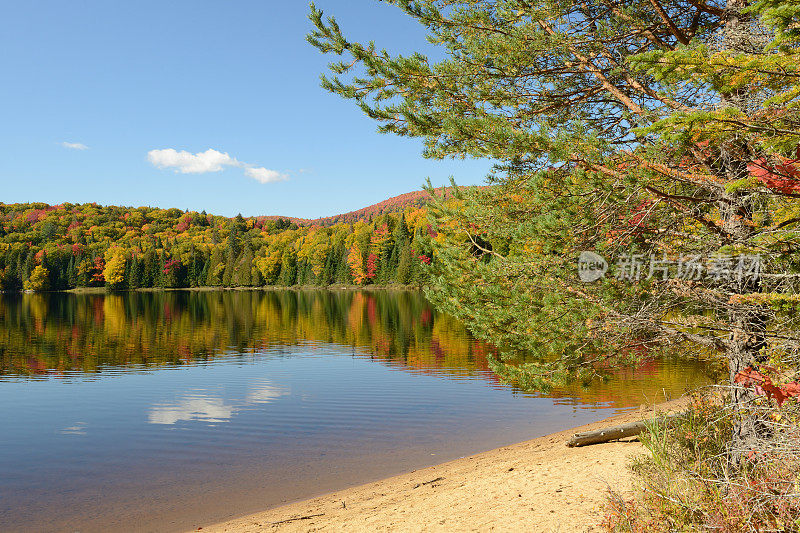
(537, 485)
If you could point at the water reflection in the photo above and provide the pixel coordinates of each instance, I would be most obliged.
(266, 394)
(167, 410)
(78, 429)
(47, 333)
(208, 408)
(199, 407)
(91, 335)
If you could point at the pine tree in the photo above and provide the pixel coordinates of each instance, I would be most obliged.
(27, 266)
(288, 274)
(243, 270)
(644, 129)
(135, 273)
(403, 274)
(158, 274)
(72, 273)
(193, 270)
(256, 277)
(216, 267)
(230, 266)
(147, 269)
(342, 274)
(328, 275)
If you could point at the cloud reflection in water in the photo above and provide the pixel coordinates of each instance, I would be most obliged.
(210, 409)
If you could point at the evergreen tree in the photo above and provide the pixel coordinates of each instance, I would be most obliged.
(242, 275)
(158, 274)
(230, 266)
(329, 271)
(342, 274)
(216, 268)
(28, 266)
(288, 274)
(403, 275)
(256, 277)
(147, 269)
(658, 130)
(194, 269)
(72, 273)
(135, 273)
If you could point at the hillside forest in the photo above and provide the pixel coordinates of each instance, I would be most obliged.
(67, 246)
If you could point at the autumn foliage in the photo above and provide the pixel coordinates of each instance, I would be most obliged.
(763, 385)
(782, 175)
(70, 245)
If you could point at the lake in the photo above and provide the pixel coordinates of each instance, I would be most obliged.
(169, 410)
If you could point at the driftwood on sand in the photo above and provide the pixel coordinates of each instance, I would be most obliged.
(613, 433)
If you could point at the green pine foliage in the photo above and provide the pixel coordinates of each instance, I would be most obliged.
(656, 130)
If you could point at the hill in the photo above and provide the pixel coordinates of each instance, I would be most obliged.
(65, 246)
(394, 204)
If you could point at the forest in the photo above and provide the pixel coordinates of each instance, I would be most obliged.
(67, 246)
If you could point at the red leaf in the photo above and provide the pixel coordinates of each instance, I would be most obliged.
(782, 177)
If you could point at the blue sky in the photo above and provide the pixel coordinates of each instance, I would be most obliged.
(100, 99)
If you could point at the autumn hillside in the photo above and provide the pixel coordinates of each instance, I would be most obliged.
(66, 246)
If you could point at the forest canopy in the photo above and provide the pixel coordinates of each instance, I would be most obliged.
(57, 247)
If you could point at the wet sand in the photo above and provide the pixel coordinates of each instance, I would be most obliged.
(537, 485)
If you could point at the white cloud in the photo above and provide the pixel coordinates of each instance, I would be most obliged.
(74, 146)
(209, 161)
(264, 175)
(188, 163)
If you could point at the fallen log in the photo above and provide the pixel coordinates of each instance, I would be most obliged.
(613, 433)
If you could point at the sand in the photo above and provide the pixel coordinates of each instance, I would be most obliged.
(538, 485)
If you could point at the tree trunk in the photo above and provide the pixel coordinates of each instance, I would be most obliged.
(745, 342)
(747, 322)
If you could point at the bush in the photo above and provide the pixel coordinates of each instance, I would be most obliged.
(688, 482)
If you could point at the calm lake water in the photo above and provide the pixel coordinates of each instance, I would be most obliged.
(172, 410)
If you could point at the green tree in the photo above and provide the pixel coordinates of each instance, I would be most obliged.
(134, 273)
(243, 269)
(288, 271)
(72, 273)
(647, 129)
(216, 267)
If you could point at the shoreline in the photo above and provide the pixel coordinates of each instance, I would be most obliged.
(535, 485)
(263, 288)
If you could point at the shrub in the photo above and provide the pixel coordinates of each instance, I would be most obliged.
(689, 482)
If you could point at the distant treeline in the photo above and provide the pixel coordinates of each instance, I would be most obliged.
(44, 247)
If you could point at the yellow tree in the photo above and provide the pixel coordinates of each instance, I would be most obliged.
(355, 260)
(314, 248)
(114, 271)
(39, 279)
